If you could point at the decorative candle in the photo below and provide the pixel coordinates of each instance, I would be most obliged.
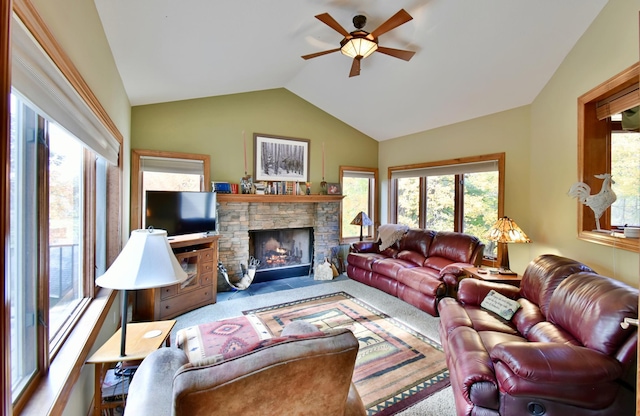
(322, 160)
(244, 139)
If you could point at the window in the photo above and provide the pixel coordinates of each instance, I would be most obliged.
(50, 235)
(164, 171)
(359, 188)
(609, 142)
(463, 195)
(62, 161)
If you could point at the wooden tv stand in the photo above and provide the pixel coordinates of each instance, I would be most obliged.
(198, 255)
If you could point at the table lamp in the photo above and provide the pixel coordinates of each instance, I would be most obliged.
(505, 231)
(362, 220)
(145, 262)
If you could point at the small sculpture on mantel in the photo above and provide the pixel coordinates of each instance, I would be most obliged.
(246, 184)
(598, 202)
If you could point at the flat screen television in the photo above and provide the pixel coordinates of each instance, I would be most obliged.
(181, 213)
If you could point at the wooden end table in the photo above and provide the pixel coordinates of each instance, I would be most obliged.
(142, 339)
(514, 279)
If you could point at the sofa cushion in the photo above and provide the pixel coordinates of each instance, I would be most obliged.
(456, 247)
(391, 267)
(417, 240)
(422, 279)
(364, 260)
(608, 302)
(487, 321)
(543, 275)
(437, 263)
(412, 256)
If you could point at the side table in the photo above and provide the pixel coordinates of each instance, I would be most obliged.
(514, 279)
(142, 339)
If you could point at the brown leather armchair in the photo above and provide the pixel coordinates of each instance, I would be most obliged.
(303, 374)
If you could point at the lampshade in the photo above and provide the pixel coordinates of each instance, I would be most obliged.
(362, 219)
(505, 230)
(361, 44)
(145, 262)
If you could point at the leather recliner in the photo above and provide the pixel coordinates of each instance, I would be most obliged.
(563, 352)
(304, 374)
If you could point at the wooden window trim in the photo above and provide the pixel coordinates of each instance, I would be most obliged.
(392, 191)
(594, 146)
(375, 208)
(50, 393)
(136, 177)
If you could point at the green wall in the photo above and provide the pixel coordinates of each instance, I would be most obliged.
(214, 126)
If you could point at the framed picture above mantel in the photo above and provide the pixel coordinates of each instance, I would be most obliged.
(280, 158)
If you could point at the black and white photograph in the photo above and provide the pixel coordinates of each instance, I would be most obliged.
(281, 158)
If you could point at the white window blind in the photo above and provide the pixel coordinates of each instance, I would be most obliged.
(358, 174)
(35, 77)
(617, 103)
(171, 165)
(455, 169)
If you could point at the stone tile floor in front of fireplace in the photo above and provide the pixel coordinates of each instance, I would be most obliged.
(274, 286)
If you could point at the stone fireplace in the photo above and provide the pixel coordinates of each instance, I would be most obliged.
(240, 215)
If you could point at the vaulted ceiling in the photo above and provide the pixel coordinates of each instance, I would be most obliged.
(473, 58)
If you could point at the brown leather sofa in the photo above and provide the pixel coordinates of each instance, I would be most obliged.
(415, 268)
(303, 372)
(563, 352)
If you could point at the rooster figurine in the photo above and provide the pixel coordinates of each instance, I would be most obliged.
(598, 202)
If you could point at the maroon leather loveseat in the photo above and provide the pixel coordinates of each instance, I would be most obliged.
(563, 352)
(414, 267)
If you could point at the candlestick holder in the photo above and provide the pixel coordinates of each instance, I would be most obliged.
(323, 187)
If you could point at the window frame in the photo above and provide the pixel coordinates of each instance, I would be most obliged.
(50, 390)
(374, 201)
(594, 156)
(499, 158)
(136, 177)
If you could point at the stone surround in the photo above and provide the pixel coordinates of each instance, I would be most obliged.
(237, 218)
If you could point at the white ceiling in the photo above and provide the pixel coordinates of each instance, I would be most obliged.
(473, 57)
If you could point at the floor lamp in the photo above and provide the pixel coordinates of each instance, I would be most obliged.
(503, 232)
(363, 220)
(145, 262)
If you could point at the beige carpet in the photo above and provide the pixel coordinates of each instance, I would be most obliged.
(440, 403)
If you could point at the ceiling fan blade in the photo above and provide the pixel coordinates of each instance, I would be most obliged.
(396, 53)
(394, 21)
(355, 68)
(331, 22)
(314, 55)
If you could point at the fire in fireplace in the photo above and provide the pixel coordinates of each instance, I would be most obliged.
(282, 252)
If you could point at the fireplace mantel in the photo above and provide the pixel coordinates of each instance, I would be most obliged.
(299, 199)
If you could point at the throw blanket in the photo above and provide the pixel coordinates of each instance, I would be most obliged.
(388, 234)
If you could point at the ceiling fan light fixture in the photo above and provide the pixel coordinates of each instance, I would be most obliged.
(360, 45)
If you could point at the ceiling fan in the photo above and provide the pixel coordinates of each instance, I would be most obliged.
(359, 44)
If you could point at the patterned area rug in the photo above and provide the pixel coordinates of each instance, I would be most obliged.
(396, 366)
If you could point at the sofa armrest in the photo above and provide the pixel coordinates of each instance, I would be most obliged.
(365, 247)
(455, 269)
(151, 390)
(472, 291)
(556, 363)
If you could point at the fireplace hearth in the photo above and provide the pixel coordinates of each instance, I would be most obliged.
(282, 252)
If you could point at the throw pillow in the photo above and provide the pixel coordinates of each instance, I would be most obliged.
(500, 305)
